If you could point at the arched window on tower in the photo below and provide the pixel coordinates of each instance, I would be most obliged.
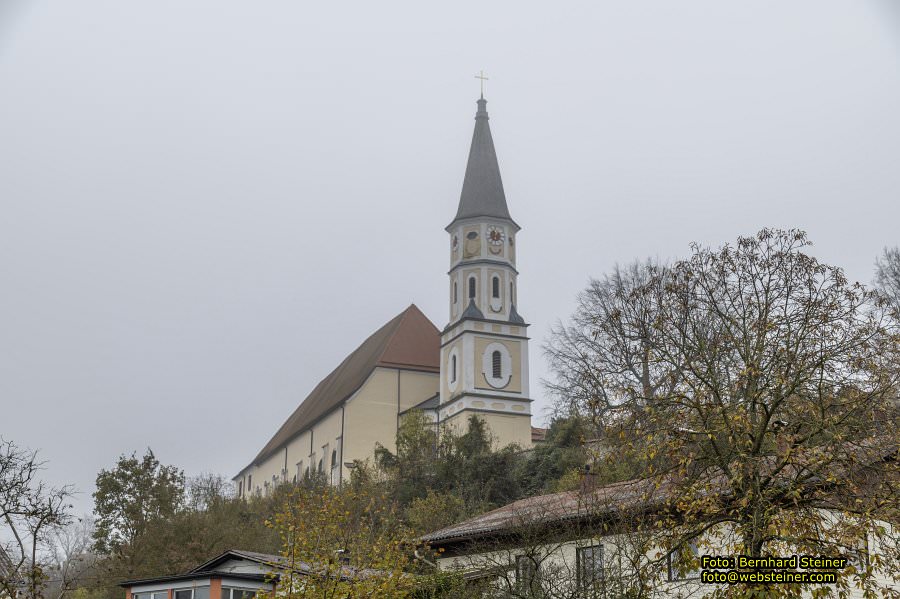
(495, 287)
(471, 287)
(455, 292)
(512, 299)
(452, 369)
(497, 365)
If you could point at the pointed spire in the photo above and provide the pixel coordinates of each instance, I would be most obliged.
(482, 191)
(514, 316)
(472, 311)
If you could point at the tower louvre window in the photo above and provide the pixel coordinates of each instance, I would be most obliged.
(495, 287)
(496, 365)
(471, 287)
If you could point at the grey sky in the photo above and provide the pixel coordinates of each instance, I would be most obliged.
(207, 204)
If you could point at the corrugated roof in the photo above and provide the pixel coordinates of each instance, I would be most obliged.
(409, 340)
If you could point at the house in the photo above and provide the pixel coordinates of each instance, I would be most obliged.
(231, 575)
(586, 543)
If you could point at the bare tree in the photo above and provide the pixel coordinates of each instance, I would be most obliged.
(30, 511)
(606, 351)
(887, 274)
(71, 559)
(774, 415)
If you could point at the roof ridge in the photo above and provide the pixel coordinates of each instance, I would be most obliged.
(420, 353)
(402, 316)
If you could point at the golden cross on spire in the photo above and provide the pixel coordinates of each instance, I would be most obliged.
(481, 76)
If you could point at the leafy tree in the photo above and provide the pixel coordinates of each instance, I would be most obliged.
(342, 543)
(561, 454)
(129, 499)
(435, 511)
(465, 465)
(757, 397)
(413, 465)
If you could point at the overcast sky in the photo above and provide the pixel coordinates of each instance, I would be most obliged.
(207, 204)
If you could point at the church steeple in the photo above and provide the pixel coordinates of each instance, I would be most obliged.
(484, 348)
(482, 191)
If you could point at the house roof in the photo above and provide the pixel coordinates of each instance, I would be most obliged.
(609, 501)
(271, 565)
(431, 403)
(545, 509)
(408, 341)
(482, 191)
(266, 559)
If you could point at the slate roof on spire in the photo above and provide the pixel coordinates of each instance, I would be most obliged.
(482, 191)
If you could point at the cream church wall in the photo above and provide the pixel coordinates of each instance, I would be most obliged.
(504, 428)
(372, 414)
(416, 387)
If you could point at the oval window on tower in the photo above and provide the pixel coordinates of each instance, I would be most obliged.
(496, 365)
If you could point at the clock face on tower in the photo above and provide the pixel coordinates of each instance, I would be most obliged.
(495, 236)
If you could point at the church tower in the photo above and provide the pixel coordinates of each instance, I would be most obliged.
(484, 348)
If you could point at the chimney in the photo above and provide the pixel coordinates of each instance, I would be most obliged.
(588, 479)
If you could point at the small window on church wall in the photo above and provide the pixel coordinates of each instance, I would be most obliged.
(495, 287)
(496, 364)
(452, 369)
(471, 287)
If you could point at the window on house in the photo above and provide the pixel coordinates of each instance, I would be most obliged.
(249, 482)
(590, 568)
(300, 470)
(321, 465)
(496, 365)
(858, 557)
(452, 369)
(495, 287)
(233, 593)
(194, 593)
(472, 288)
(527, 575)
(684, 564)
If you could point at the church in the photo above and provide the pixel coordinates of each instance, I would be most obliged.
(477, 365)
